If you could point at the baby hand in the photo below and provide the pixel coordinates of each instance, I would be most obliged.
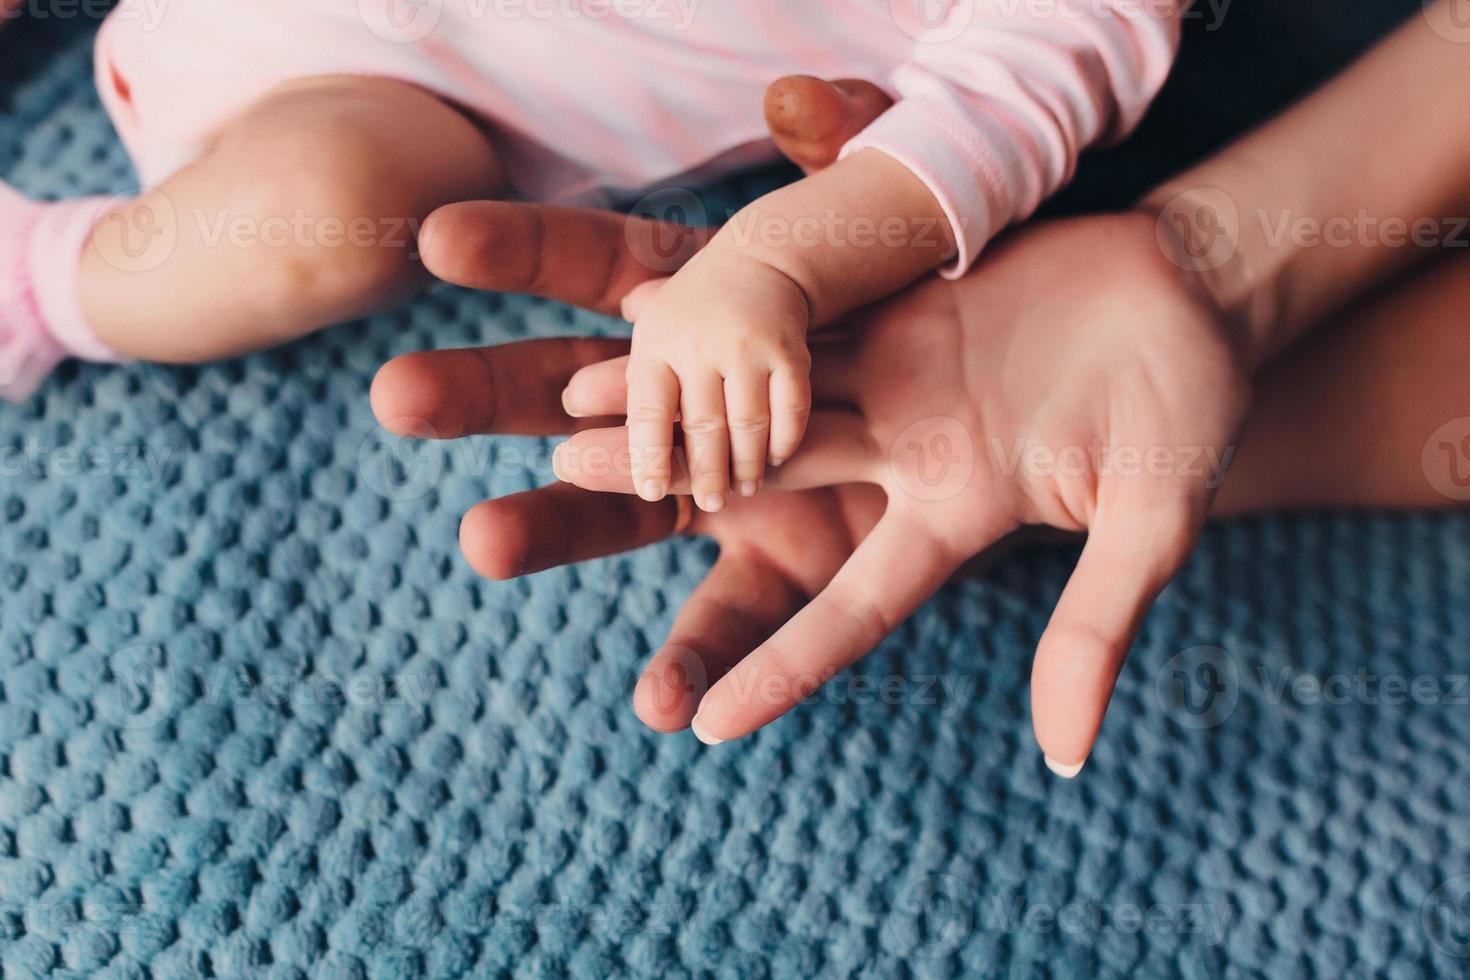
(723, 345)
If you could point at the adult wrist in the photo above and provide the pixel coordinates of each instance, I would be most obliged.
(1200, 231)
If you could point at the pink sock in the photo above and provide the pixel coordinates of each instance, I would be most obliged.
(41, 318)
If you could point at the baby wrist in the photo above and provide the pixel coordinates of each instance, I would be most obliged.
(794, 265)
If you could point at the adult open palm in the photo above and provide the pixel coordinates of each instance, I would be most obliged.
(1075, 379)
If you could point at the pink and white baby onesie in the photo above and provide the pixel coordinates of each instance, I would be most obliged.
(595, 100)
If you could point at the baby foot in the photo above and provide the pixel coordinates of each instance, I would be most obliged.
(41, 320)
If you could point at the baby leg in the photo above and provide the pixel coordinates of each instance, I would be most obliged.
(1372, 412)
(302, 213)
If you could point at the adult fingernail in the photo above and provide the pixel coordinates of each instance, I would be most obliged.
(748, 488)
(556, 463)
(651, 491)
(1063, 770)
(703, 735)
(777, 460)
(568, 406)
(714, 503)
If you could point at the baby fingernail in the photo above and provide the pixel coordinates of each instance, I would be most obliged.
(1063, 770)
(714, 503)
(748, 488)
(651, 491)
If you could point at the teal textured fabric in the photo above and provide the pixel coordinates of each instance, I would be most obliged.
(258, 719)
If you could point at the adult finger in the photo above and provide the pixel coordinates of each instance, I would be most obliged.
(581, 256)
(811, 119)
(559, 525)
(735, 608)
(513, 388)
(837, 450)
(896, 568)
(1124, 566)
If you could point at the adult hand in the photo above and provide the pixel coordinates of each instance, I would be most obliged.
(777, 550)
(1075, 379)
(780, 549)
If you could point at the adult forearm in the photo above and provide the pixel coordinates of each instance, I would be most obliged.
(1364, 178)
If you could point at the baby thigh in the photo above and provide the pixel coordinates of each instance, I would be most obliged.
(302, 213)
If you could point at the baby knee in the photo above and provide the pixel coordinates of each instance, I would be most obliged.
(332, 237)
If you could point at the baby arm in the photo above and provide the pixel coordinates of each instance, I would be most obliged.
(723, 343)
(991, 116)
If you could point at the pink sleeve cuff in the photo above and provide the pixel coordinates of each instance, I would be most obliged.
(993, 115)
(973, 168)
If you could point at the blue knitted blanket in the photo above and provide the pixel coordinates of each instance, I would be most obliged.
(258, 719)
